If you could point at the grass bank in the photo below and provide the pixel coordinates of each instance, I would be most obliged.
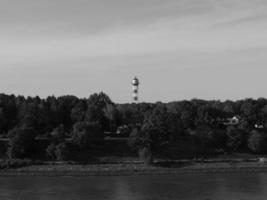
(64, 169)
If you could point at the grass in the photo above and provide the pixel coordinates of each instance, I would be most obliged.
(65, 169)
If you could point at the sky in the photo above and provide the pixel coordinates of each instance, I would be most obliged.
(179, 49)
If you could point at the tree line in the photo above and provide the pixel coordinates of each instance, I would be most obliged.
(72, 125)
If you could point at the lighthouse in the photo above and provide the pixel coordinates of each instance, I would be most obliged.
(135, 84)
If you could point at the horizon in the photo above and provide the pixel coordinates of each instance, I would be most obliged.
(178, 49)
(133, 102)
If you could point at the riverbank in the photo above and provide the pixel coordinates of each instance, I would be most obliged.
(133, 169)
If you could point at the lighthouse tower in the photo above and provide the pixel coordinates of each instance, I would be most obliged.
(135, 84)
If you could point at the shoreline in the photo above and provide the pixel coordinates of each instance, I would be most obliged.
(133, 169)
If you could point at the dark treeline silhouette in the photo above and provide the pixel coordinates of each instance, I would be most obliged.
(66, 127)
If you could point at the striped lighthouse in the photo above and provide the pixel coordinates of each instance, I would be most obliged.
(135, 84)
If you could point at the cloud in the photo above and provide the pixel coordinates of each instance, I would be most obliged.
(56, 42)
(187, 35)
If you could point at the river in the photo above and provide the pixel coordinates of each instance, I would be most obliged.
(238, 186)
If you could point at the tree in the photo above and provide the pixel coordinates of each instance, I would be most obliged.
(257, 142)
(86, 134)
(204, 139)
(100, 100)
(248, 108)
(8, 112)
(185, 111)
(157, 130)
(112, 114)
(208, 139)
(64, 106)
(132, 114)
(60, 151)
(142, 143)
(57, 139)
(50, 151)
(27, 114)
(162, 125)
(63, 151)
(228, 108)
(207, 115)
(235, 138)
(95, 109)
(21, 143)
(58, 134)
(78, 111)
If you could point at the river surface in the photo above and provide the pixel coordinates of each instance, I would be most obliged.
(239, 186)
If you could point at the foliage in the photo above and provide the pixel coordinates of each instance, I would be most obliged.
(235, 138)
(63, 151)
(57, 136)
(50, 151)
(112, 114)
(141, 141)
(82, 122)
(86, 134)
(257, 142)
(204, 138)
(21, 143)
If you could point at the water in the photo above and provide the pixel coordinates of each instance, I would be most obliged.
(240, 186)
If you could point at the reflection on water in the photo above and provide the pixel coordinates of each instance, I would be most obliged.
(245, 186)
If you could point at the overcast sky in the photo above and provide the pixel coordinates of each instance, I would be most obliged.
(179, 49)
